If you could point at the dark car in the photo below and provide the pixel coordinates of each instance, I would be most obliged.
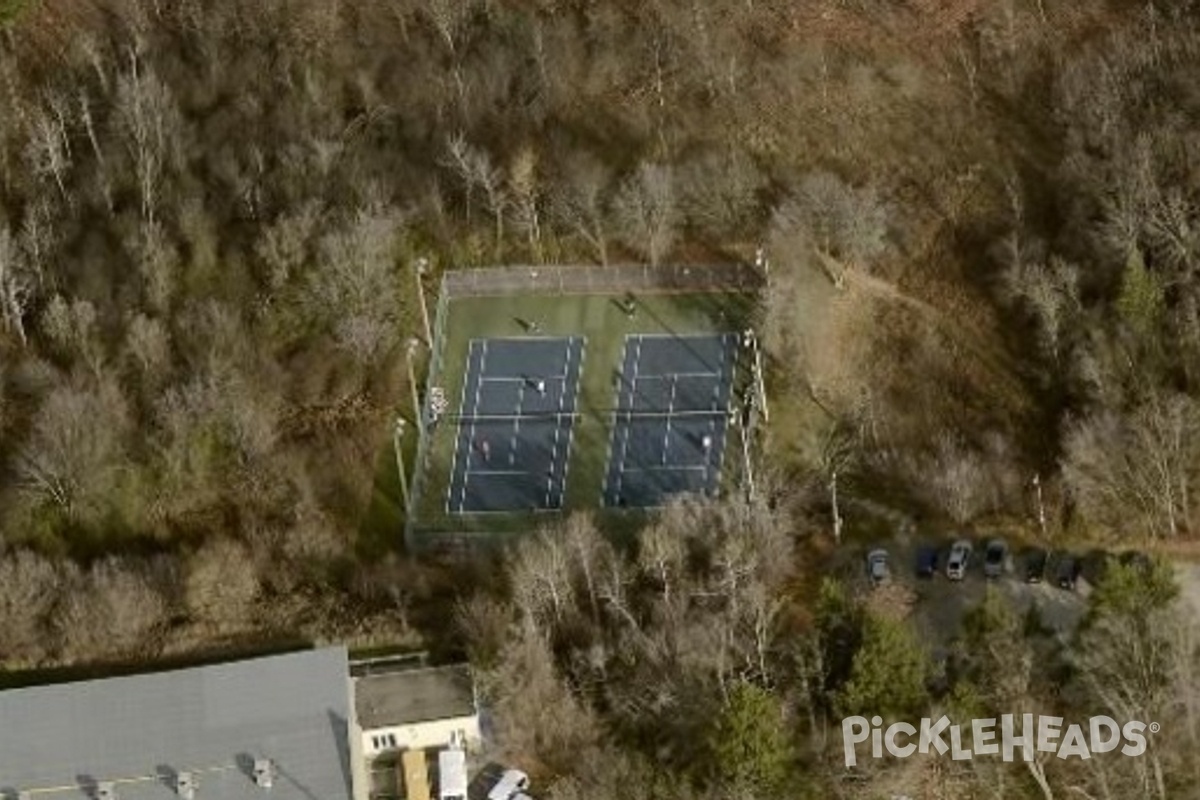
(927, 562)
(1033, 563)
(1136, 560)
(1068, 572)
(995, 559)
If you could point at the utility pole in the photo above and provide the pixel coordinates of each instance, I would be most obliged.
(420, 268)
(397, 440)
(750, 341)
(746, 429)
(837, 514)
(1041, 507)
(762, 384)
(410, 354)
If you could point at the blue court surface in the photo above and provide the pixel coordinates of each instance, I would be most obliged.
(672, 411)
(515, 425)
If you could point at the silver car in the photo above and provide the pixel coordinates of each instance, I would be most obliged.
(510, 783)
(877, 567)
(960, 556)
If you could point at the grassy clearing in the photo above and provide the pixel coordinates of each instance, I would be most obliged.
(599, 318)
(10, 10)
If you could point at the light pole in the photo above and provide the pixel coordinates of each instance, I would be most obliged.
(397, 439)
(1037, 486)
(837, 513)
(410, 354)
(420, 267)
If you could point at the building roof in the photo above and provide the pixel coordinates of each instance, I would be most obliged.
(405, 696)
(213, 721)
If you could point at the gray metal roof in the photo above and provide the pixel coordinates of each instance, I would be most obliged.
(140, 731)
(414, 695)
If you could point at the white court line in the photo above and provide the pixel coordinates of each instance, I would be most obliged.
(668, 468)
(670, 412)
(731, 371)
(522, 379)
(562, 397)
(608, 459)
(462, 401)
(516, 431)
(637, 360)
(562, 489)
(462, 498)
(712, 424)
(683, 336)
(648, 375)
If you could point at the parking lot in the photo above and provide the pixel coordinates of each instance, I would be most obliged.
(937, 604)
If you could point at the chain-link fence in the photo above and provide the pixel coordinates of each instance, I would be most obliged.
(613, 279)
(542, 279)
(436, 355)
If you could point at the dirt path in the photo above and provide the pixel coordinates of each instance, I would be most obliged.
(999, 363)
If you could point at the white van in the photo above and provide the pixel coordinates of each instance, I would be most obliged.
(510, 783)
(452, 775)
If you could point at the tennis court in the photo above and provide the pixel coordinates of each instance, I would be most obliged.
(668, 431)
(515, 426)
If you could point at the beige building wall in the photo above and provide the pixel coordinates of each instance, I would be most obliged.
(358, 761)
(419, 735)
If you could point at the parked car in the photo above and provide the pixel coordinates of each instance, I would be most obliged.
(1094, 565)
(510, 784)
(956, 563)
(1137, 560)
(1068, 571)
(877, 567)
(927, 561)
(995, 559)
(1034, 561)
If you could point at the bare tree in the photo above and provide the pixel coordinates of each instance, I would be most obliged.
(646, 211)
(661, 555)
(72, 327)
(1137, 469)
(524, 189)
(111, 610)
(73, 455)
(355, 289)
(49, 151)
(28, 588)
(840, 221)
(157, 259)
(15, 291)
(148, 342)
(477, 172)
(150, 121)
(580, 203)
(542, 579)
(221, 583)
(1051, 292)
(526, 677)
(718, 192)
(286, 245)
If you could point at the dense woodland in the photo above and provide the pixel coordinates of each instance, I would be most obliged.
(983, 224)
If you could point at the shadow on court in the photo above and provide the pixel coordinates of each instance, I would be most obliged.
(672, 412)
(516, 424)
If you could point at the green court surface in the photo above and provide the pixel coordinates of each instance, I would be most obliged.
(605, 324)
